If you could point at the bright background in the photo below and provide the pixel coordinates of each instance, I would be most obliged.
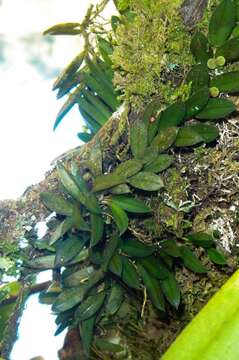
(29, 63)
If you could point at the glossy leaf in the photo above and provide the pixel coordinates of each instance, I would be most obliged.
(197, 102)
(86, 333)
(67, 249)
(216, 109)
(78, 222)
(171, 290)
(129, 274)
(191, 261)
(136, 248)
(155, 267)
(138, 138)
(120, 217)
(147, 181)
(170, 247)
(68, 298)
(57, 203)
(153, 288)
(128, 168)
(107, 181)
(97, 229)
(90, 306)
(130, 204)
(198, 76)
(76, 278)
(42, 262)
(164, 139)
(116, 265)
(161, 163)
(227, 82)
(209, 133)
(172, 116)
(200, 48)
(110, 250)
(201, 239)
(222, 22)
(85, 137)
(216, 256)
(230, 50)
(114, 300)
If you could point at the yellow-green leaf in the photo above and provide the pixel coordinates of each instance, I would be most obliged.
(147, 181)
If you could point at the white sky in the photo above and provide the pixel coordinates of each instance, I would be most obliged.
(28, 106)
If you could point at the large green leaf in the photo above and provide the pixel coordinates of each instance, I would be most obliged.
(78, 277)
(97, 229)
(200, 48)
(86, 332)
(227, 82)
(128, 168)
(209, 133)
(216, 256)
(114, 300)
(191, 261)
(198, 76)
(153, 287)
(110, 251)
(230, 50)
(201, 239)
(116, 265)
(61, 230)
(222, 22)
(130, 204)
(129, 274)
(136, 248)
(155, 267)
(68, 298)
(90, 306)
(172, 116)
(216, 109)
(57, 203)
(138, 138)
(146, 180)
(164, 139)
(196, 103)
(171, 290)
(213, 333)
(68, 248)
(162, 162)
(42, 262)
(120, 217)
(187, 136)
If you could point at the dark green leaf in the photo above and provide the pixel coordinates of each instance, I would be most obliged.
(208, 132)
(110, 250)
(90, 306)
(164, 139)
(216, 109)
(146, 180)
(153, 287)
(171, 290)
(76, 278)
(222, 22)
(78, 222)
(197, 102)
(115, 299)
(227, 82)
(170, 247)
(129, 274)
(201, 239)
(115, 265)
(67, 249)
(97, 229)
(200, 48)
(130, 204)
(172, 116)
(47, 298)
(57, 203)
(86, 333)
(187, 136)
(61, 230)
(120, 217)
(138, 138)
(106, 345)
(216, 256)
(128, 168)
(85, 137)
(68, 298)
(155, 267)
(230, 50)
(198, 76)
(136, 248)
(42, 262)
(191, 261)
(162, 162)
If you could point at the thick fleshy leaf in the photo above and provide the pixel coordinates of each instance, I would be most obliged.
(200, 48)
(116, 265)
(227, 82)
(153, 288)
(136, 248)
(130, 204)
(120, 217)
(155, 267)
(129, 274)
(191, 261)
(68, 298)
(164, 139)
(61, 230)
(42, 262)
(216, 256)
(171, 290)
(114, 300)
(162, 162)
(90, 306)
(47, 298)
(187, 136)
(198, 76)
(222, 22)
(97, 229)
(87, 199)
(146, 180)
(197, 102)
(120, 189)
(107, 181)
(230, 50)
(128, 168)
(67, 249)
(78, 277)
(172, 116)
(216, 109)
(138, 138)
(86, 332)
(201, 239)
(170, 247)
(109, 251)
(209, 133)
(57, 203)
(78, 222)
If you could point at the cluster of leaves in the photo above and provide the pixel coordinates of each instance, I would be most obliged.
(87, 80)
(103, 267)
